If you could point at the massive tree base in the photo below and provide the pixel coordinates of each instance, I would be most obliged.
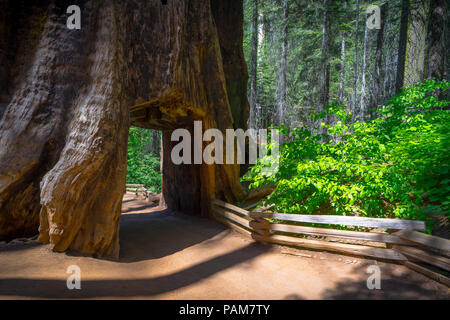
(64, 110)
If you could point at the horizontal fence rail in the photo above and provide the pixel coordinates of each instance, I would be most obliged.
(134, 187)
(345, 220)
(341, 234)
(137, 189)
(436, 243)
(403, 245)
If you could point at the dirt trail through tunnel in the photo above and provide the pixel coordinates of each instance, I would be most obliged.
(166, 255)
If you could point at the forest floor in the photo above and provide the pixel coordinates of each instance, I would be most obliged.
(167, 255)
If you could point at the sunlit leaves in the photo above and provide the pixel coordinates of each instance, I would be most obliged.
(393, 166)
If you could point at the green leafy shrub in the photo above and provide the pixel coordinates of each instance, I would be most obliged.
(142, 166)
(393, 166)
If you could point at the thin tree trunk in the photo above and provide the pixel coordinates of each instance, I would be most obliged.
(156, 143)
(324, 71)
(375, 97)
(283, 71)
(254, 64)
(416, 44)
(435, 61)
(401, 60)
(355, 63)
(390, 61)
(342, 72)
(391, 58)
(362, 111)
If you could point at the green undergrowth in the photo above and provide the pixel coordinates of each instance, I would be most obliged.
(395, 165)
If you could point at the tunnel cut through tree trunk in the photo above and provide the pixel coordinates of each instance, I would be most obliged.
(64, 109)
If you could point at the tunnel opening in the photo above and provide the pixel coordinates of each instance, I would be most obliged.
(143, 178)
(147, 217)
(144, 158)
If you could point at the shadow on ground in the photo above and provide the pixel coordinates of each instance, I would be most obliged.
(53, 288)
(159, 233)
(408, 285)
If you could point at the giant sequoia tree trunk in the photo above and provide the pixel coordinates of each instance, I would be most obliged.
(64, 108)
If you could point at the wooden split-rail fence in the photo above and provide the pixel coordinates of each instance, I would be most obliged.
(139, 189)
(400, 242)
(136, 188)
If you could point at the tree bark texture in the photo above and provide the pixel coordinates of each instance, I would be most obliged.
(283, 66)
(65, 109)
(378, 74)
(254, 64)
(355, 64)
(416, 44)
(436, 54)
(402, 44)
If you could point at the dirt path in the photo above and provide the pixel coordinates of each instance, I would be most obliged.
(173, 256)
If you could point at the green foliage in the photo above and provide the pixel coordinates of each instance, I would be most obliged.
(143, 167)
(392, 166)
